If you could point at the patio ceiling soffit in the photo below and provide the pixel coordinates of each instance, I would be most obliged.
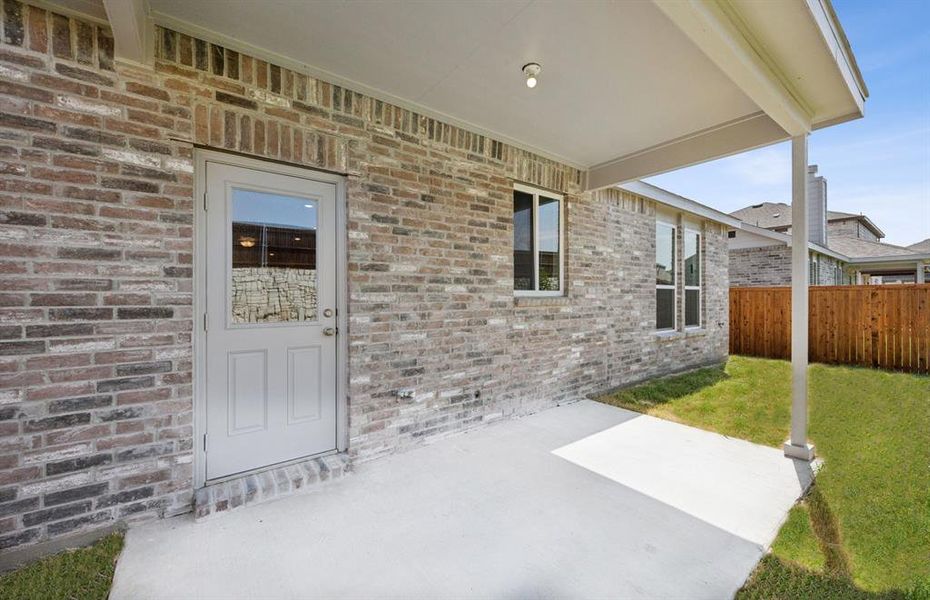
(715, 28)
(712, 25)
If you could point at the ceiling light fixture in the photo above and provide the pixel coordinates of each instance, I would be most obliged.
(247, 242)
(531, 70)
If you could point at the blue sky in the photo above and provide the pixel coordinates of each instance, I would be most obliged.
(879, 165)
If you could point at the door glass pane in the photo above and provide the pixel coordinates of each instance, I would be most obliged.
(522, 241)
(548, 244)
(274, 275)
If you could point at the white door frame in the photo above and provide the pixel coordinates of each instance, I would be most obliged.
(201, 158)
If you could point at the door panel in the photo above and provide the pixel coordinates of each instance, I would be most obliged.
(270, 352)
(247, 391)
(304, 397)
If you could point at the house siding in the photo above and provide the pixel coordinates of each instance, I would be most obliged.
(851, 228)
(96, 246)
(771, 266)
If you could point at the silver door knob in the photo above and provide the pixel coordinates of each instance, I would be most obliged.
(329, 331)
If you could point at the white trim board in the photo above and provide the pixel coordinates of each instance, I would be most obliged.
(663, 196)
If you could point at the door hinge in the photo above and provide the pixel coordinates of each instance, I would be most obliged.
(204, 201)
(204, 321)
(204, 442)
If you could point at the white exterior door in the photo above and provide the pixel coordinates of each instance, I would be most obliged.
(270, 318)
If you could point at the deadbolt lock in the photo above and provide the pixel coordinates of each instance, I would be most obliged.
(328, 312)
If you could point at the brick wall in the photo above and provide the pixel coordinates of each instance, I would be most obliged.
(851, 228)
(827, 271)
(771, 265)
(96, 249)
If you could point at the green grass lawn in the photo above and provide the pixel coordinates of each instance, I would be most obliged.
(864, 529)
(82, 574)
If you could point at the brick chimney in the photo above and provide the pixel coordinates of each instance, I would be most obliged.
(816, 206)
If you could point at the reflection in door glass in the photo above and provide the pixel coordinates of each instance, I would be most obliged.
(274, 275)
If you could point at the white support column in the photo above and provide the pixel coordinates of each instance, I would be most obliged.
(797, 446)
(132, 30)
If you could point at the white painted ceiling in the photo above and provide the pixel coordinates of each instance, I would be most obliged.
(617, 77)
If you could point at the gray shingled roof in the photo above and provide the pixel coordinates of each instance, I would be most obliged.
(771, 215)
(766, 215)
(923, 246)
(858, 247)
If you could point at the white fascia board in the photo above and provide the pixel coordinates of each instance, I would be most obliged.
(828, 252)
(891, 260)
(732, 48)
(838, 46)
(681, 203)
(766, 233)
(733, 137)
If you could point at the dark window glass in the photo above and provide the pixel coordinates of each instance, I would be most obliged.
(665, 254)
(548, 244)
(692, 259)
(692, 308)
(665, 308)
(522, 241)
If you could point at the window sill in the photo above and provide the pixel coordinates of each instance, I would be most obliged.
(672, 335)
(541, 300)
(668, 335)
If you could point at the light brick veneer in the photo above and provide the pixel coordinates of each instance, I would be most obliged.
(850, 228)
(771, 265)
(96, 249)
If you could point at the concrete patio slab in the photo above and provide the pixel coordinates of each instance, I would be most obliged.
(736, 485)
(533, 507)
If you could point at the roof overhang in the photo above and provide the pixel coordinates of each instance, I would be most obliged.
(677, 202)
(760, 237)
(628, 89)
(890, 261)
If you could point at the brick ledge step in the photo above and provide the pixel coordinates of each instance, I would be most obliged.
(276, 482)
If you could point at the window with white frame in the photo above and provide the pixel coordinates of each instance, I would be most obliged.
(814, 275)
(692, 250)
(538, 253)
(666, 258)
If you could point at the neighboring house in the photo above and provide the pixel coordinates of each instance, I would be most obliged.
(919, 247)
(225, 275)
(844, 248)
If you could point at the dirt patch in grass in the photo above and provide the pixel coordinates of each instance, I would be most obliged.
(777, 579)
(84, 574)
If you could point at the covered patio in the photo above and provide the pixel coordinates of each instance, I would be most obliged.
(414, 125)
(583, 500)
(626, 90)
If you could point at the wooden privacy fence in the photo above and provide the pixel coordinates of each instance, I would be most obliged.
(885, 326)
